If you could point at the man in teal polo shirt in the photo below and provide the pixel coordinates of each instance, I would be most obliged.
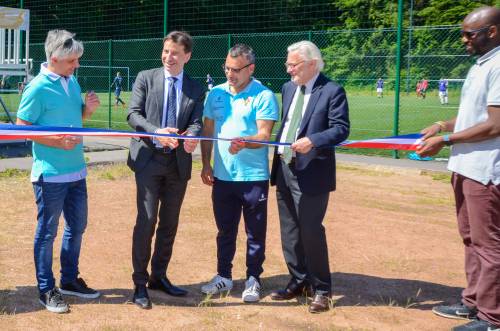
(53, 98)
(241, 108)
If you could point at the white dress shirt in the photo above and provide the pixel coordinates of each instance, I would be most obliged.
(307, 96)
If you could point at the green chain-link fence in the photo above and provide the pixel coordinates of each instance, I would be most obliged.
(354, 58)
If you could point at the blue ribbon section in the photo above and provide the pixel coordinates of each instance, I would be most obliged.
(58, 130)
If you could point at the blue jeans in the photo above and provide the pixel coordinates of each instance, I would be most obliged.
(52, 199)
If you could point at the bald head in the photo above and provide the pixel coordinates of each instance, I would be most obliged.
(484, 15)
(480, 30)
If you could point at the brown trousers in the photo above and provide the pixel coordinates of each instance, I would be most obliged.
(478, 213)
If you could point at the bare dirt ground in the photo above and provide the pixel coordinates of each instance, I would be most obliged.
(393, 245)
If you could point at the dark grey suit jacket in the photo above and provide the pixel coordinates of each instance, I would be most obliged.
(145, 115)
(325, 123)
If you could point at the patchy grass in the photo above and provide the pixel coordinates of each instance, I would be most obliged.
(406, 303)
(436, 201)
(367, 171)
(14, 173)
(110, 172)
(197, 165)
(444, 177)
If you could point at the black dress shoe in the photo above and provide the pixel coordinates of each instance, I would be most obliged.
(292, 290)
(164, 285)
(319, 304)
(141, 297)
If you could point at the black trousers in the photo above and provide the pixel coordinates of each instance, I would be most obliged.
(303, 236)
(160, 193)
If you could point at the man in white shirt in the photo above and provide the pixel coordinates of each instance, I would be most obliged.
(475, 163)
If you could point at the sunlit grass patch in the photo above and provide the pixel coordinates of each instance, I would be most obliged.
(14, 173)
(110, 171)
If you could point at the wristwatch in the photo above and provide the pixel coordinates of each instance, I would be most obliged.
(446, 140)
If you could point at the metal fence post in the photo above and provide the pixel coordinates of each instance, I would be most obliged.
(165, 17)
(395, 130)
(410, 30)
(21, 43)
(228, 41)
(110, 64)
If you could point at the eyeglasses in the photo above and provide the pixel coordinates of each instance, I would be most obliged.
(293, 65)
(235, 70)
(471, 34)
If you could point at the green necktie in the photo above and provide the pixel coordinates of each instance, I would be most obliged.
(294, 124)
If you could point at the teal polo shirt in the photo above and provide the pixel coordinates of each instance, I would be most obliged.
(45, 102)
(236, 116)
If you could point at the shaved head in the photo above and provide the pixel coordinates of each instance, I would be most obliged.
(485, 16)
(480, 30)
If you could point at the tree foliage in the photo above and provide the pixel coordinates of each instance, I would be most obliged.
(357, 37)
(360, 57)
(125, 19)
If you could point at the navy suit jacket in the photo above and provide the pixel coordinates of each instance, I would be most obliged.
(326, 124)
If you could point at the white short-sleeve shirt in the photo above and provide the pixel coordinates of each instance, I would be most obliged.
(479, 161)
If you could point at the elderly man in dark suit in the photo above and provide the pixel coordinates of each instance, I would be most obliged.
(315, 119)
(164, 100)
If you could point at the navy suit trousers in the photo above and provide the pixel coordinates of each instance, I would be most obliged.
(229, 200)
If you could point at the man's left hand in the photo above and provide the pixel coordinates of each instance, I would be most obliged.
(169, 142)
(303, 145)
(190, 144)
(431, 146)
(91, 103)
(236, 145)
(430, 131)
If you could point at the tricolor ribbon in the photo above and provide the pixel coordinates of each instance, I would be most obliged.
(8, 132)
(408, 142)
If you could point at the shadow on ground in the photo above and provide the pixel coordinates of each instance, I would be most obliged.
(348, 289)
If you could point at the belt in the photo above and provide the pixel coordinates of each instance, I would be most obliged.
(164, 150)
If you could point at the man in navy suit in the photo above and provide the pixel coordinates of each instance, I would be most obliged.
(315, 119)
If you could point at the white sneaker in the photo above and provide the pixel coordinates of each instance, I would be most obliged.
(217, 285)
(252, 290)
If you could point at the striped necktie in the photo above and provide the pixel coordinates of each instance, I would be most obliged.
(172, 104)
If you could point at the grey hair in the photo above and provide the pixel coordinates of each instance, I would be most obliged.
(308, 51)
(243, 50)
(60, 44)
